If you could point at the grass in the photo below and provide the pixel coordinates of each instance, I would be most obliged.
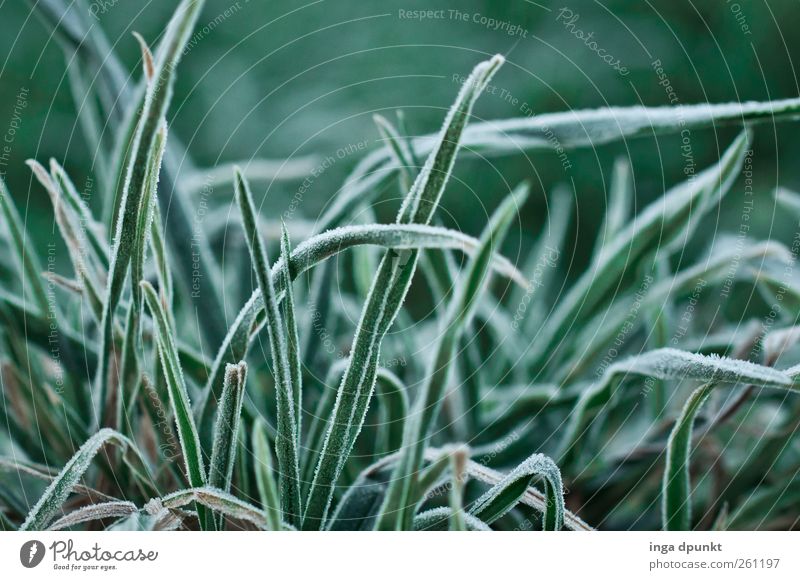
(507, 397)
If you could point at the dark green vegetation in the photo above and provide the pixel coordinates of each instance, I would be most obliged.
(521, 400)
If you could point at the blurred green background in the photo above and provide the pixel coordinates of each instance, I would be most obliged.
(288, 78)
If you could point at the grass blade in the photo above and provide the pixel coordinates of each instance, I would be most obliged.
(676, 488)
(57, 492)
(286, 443)
(666, 364)
(665, 224)
(385, 299)
(90, 513)
(499, 500)
(178, 396)
(143, 149)
(292, 337)
(431, 394)
(223, 452)
(265, 477)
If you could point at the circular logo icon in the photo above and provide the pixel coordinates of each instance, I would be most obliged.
(31, 553)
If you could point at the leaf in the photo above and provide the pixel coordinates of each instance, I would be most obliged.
(499, 500)
(437, 519)
(286, 442)
(590, 128)
(214, 499)
(666, 364)
(76, 243)
(145, 218)
(91, 228)
(178, 396)
(530, 497)
(265, 477)
(620, 201)
(567, 130)
(292, 338)
(531, 304)
(393, 407)
(432, 392)
(58, 491)
(226, 432)
(143, 150)
(400, 150)
(90, 513)
(385, 299)
(665, 225)
(676, 489)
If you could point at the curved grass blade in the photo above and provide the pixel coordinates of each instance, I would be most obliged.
(666, 364)
(507, 493)
(213, 499)
(57, 492)
(90, 513)
(386, 296)
(676, 508)
(571, 129)
(438, 519)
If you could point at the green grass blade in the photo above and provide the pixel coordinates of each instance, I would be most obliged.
(178, 396)
(665, 364)
(213, 499)
(71, 232)
(590, 128)
(93, 230)
(91, 513)
(393, 407)
(666, 224)
(265, 476)
(226, 432)
(438, 519)
(286, 443)
(292, 336)
(400, 150)
(143, 149)
(619, 205)
(144, 220)
(676, 488)
(388, 292)
(507, 493)
(58, 491)
(431, 394)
